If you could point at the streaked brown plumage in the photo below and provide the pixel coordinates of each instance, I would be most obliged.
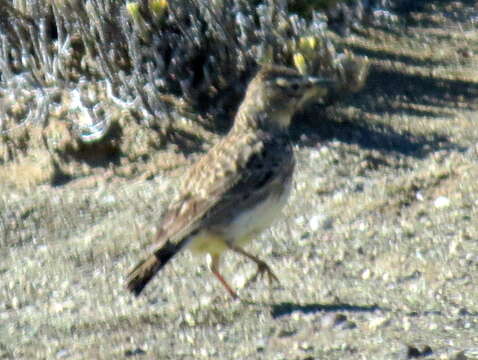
(237, 188)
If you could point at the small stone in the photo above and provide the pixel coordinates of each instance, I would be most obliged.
(306, 346)
(327, 321)
(366, 274)
(441, 202)
(332, 320)
(189, 319)
(63, 353)
(261, 345)
(377, 322)
(315, 221)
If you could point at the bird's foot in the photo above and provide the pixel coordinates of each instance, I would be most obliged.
(263, 269)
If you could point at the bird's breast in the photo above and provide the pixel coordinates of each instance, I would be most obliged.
(250, 222)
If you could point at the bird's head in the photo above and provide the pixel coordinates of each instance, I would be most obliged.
(279, 92)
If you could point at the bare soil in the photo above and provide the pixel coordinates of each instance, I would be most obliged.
(377, 251)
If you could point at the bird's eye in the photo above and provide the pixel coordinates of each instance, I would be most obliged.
(288, 84)
(281, 82)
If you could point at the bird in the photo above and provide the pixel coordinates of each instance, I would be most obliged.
(235, 190)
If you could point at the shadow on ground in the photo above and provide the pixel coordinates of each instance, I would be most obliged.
(287, 308)
(388, 94)
(420, 90)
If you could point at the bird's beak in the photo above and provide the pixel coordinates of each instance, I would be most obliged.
(314, 81)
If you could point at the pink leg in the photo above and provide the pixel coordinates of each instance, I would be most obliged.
(215, 270)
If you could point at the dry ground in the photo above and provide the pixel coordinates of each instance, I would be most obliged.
(377, 252)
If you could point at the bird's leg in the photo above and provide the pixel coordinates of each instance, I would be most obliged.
(262, 266)
(214, 266)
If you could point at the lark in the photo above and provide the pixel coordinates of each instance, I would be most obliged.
(239, 187)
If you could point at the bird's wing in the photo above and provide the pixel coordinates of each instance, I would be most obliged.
(220, 183)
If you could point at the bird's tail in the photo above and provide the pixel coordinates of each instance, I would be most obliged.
(139, 277)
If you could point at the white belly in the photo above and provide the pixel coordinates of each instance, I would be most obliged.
(243, 229)
(251, 222)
